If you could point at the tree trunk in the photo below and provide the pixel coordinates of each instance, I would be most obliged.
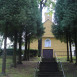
(15, 49)
(4, 56)
(40, 40)
(25, 51)
(28, 50)
(71, 60)
(41, 7)
(39, 47)
(67, 49)
(20, 52)
(75, 40)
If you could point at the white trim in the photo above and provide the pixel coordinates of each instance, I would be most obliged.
(47, 43)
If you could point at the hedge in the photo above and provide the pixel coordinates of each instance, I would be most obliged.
(33, 53)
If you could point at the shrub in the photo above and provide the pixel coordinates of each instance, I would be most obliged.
(33, 53)
(9, 52)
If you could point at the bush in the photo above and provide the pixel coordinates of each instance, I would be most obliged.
(9, 52)
(33, 53)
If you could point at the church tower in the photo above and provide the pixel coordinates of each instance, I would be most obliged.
(47, 16)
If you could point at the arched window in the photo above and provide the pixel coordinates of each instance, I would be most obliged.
(47, 43)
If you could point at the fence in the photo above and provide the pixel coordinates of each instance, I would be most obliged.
(63, 53)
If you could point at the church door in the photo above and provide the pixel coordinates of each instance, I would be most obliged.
(48, 53)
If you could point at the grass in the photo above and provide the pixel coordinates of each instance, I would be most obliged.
(70, 69)
(62, 59)
(27, 69)
(8, 62)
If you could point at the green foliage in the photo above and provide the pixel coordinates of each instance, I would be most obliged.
(33, 53)
(20, 15)
(65, 18)
(32, 20)
(70, 16)
(10, 14)
(16, 17)
(57, 28)
(66, 25)
(49, 4)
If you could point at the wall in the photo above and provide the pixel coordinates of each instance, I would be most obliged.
(59, 47)
(48, 27)
(34, 44)
(56, 45)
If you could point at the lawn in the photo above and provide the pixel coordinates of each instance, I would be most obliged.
(64, 59)
(27, 69)
(70, 69)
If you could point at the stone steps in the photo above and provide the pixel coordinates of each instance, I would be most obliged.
(49, 73)
(49, 68)
(48, 60)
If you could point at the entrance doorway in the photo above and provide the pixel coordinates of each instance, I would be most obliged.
(47, 53)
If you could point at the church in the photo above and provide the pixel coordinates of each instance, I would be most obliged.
(50, 45)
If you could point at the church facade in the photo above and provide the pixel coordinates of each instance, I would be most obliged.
(50, 45)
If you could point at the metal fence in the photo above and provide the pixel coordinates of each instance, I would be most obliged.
(63, 53)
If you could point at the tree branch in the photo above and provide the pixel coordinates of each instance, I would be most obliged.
(44, 4)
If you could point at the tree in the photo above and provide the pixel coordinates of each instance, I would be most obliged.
(9, 24)
(29, 23)
(4, 24)
(16, 16)
(33, 24)
(70, 13)
(58, 30)
(65, 17)
(20, 50)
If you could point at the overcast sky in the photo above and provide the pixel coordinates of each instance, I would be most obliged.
(43, 13)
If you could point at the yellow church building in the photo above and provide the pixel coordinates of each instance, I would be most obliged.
(50, 45)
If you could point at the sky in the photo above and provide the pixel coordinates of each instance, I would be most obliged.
(43, 17)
